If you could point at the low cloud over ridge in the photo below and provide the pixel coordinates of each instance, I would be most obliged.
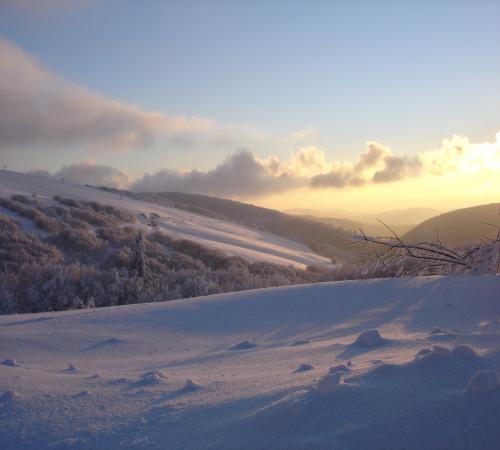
(243, 175)
(240, 175)
(88, 172)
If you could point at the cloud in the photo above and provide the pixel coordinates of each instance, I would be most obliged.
(39, 108)
(88, 172)
(243, 175)
(305, 134)
(240, 175)
(376, 164)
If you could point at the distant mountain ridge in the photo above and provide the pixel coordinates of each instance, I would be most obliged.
(410, 216)
(459, 227)
(372, 229)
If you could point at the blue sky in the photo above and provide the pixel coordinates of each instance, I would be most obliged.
(405, 74)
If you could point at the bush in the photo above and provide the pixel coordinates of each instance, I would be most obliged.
(76, 240)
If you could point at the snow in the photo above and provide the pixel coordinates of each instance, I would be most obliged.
(304, 368)
(10, 362)
(163, 375)
(482, 382)
(369, 338)
(232, 239)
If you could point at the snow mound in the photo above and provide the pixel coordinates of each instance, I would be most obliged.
(10, 362)
(400, 396)
(464, 352)
(339, 368)
(329, 383)
(190, 385)
(369, 338)
(245, 345)
(304, 368)
(9, 396)
(152, 377)
(437, 354)
(483, 382)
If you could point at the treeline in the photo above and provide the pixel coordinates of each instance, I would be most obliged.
(80, 254)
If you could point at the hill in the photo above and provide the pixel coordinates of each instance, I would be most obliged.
(59, 252)
(233, 239)
(458, 227)
(275, 368)
(322, 239)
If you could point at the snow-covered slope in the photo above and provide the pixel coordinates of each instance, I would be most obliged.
(259, 365)
(230, 238)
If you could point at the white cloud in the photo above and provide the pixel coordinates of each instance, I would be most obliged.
(305, 134)
(39, 108)
(243, 175)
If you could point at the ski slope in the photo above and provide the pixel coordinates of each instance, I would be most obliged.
(258, 364)
(231, 238)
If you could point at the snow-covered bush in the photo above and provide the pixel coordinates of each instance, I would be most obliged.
(76, 239)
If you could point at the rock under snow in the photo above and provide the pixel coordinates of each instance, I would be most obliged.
(483, 381)
(369, 338)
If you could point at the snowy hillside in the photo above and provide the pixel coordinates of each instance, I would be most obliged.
(275, 368)
(230, 238)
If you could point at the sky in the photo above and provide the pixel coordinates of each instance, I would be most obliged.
(357, 105)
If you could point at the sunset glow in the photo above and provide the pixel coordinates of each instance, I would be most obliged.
(394, 134)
